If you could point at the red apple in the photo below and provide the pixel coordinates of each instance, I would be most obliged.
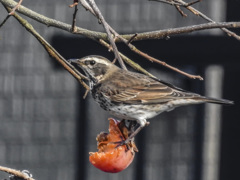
(111, 157)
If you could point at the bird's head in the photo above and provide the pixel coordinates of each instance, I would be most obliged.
(95, 67)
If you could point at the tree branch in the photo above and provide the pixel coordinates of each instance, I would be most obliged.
(152, 59)
(15, 173)
(128, 38)
(110, 31)
(107, 29)
(127, 60)
(14, 9)
(99, 35)
(5, 20)
(46, 45)
(74, 18)
(51, 51)
(198, 13)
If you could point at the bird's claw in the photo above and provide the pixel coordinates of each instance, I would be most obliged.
(129, 143)
(122, 143)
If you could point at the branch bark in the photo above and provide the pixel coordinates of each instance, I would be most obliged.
(196, 12)
(109, 34)
(15, 173)
(160, 34)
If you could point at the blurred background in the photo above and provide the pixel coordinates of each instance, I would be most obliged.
(48, 128)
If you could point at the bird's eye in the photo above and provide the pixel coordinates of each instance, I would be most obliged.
(92, 62)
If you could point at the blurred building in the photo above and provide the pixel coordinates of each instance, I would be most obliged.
(47, 127)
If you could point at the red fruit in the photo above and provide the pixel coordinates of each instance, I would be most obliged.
(109, 158)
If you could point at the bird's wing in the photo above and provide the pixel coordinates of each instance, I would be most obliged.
(134, 88)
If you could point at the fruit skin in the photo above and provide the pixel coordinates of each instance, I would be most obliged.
(110, 158)
(114, 161)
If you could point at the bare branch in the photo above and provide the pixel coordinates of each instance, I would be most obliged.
(176, 3)
(75, 3)
(17, 6)
(181, 30)
(152, 59)
(229, 33)
(125, 38)
(15, 173)
(5, 20)
(74, 19)
(168, 2)
(127, 60)
(196, 12)
(86, 93)
(51, 51)
(180, 11)
(107, 29)
(170, 67)
(87, 6)
(99, 35)
(194, 2)
(132, 38)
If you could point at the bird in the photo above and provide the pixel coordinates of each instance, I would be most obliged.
(134, 96)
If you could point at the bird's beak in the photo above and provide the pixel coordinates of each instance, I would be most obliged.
(73, 61)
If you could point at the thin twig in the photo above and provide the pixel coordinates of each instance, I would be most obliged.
(195, 11)
(152, 59)
(86, 93)
(74, 19)
(168, 2)
(176, 3)
(198, 13)
(72, 5)
(5, 20)
(127, 60)
(51, 51)
(107, 29)
(17, 6)
(85, 4)
(115, 60)
(15, 173)
(180, 11)
(75, 3)
(194, 2)
(132, 38)
(169, 66)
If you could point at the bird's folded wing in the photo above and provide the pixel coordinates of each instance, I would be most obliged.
(148, 93)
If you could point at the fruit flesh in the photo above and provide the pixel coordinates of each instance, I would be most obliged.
(109, 157)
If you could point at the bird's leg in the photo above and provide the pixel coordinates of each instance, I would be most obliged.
(133, 132)
(131, 126)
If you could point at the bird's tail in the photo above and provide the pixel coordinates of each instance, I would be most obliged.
(216, 101)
